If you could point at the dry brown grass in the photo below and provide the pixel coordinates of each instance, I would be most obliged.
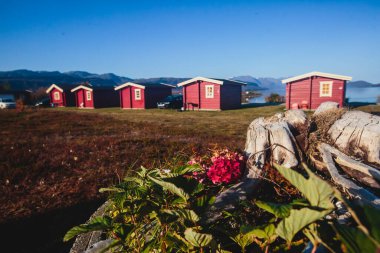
(57, 158)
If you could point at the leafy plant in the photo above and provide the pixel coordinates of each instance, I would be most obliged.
(150, 211)
(163, 210)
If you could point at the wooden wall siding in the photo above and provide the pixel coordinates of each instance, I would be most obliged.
(59, 102)
(299, 91)
(81, 99)
(139, 104)
(196, 93)
(125, 94)
(128, 98)
(337, 92)
(230, 96)
(191, 94)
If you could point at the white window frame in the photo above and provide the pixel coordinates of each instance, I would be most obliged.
(56, 95)
(137, 94)
(211, 94)
(321, 84)
(88, 95)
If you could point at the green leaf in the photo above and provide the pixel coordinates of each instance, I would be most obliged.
(171, 187)
(177, 243)
(372, 221)
(186, 214)
(312, 233)
(354, 239)
(267, 232)
(243, 240)
(136, 180)
(299, 202)
(297, 220)
(278, 210)
(111, 189)
(179, 171)
(197, 239)
(98, 223)
(317, 191)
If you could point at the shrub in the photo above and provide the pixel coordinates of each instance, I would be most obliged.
(275, 98)
(164, 210)
(20, 107)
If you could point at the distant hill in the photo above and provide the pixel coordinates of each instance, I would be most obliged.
(263, 83)
(361, 84)
(167, 80)
(27, 79)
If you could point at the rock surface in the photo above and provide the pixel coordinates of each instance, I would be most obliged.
(326, 106)
(270, 134)
(358, 133)
(295, 117)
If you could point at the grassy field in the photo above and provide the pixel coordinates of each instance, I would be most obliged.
(53, 161)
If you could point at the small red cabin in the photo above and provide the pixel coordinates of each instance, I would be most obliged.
(142, 95)
(90, 97)
(216, 94)
(308, 91)
(60, 95)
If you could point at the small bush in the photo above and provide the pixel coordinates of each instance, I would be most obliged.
(166, 209)
(275, 98)
(20, 106)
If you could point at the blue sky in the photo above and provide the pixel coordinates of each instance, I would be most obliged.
(188, 38)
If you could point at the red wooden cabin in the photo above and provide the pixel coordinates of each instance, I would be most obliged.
(142, 95)
(60, 95)
(201, 93)
(90, 97)
(308, 91)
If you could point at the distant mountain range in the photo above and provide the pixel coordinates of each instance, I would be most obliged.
(362, 84)
(262, 83)
(26, 79)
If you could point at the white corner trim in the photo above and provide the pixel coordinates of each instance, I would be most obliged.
(316, 73)
(213, 90)
(199, 78)
(52, 87)
(129, 84)
(81, 87)
(330, 83)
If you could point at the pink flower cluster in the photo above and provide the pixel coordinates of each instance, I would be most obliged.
(225, 167)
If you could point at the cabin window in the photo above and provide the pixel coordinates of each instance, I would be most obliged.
(56, 95)
(325, 89)
(137, 94)
(209, 91)
(88, 95)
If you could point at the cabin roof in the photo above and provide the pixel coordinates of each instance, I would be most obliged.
(211, 80)
(316, 73)
(88, 86)
(60, 87)
(143, 85)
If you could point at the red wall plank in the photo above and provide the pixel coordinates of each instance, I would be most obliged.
(58, 102)
(299, 91)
